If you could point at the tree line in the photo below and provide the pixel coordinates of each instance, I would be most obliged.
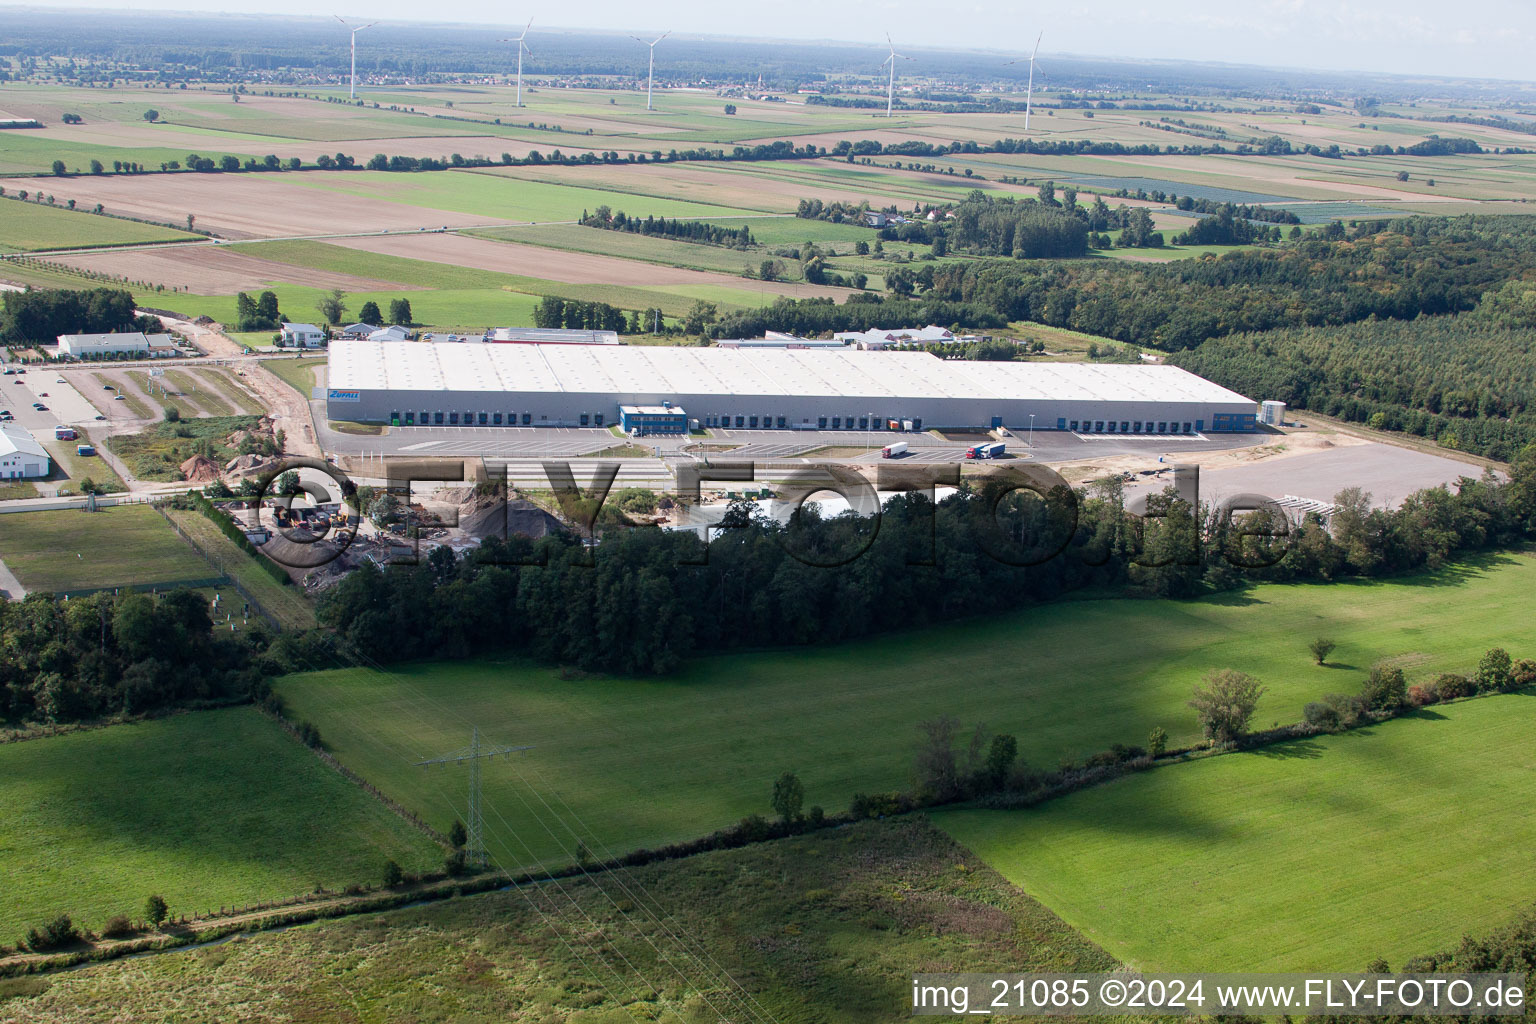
(642, 603)
(683, 230)
(41, 315)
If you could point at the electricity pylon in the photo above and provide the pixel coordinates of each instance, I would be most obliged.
(474, 845)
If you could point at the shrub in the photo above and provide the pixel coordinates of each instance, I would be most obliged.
(455, 864)
(308, 734)
(1450, 686)
(1322, 715)
(59, 932)
(1422, 694)
(1157, 741)
(393, 876)
(156, 910)
(117, 926)
(1522, 674)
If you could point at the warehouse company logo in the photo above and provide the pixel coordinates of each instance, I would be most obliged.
(1023, 516)
(338, 395)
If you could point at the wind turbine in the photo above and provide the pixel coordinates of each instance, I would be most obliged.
(890, 89)
(355, 31)
(522, 48)
(1029, 92)
(651, 78)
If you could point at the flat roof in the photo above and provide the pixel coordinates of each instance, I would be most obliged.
(652, 410)
(838, 373)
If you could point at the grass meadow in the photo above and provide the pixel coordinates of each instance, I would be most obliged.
(645, 761)
(123, 545)
(26, 226)
(823, 927)
(287, 604)
(1318, 854)
(206, 809)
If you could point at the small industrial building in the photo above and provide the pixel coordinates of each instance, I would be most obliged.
(549, 336)
(665, 418)
(302, 335)
(21, 456)
(780, 389)
(356, 332)
(394, 332)
(86, 346)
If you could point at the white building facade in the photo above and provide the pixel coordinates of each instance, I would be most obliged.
(417, 384)
(21, 456)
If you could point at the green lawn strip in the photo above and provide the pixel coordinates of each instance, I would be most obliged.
(28, 226)
(125, 545)
(298, 374)
(205, 809)
(287, 604)
(1318, 854)
(646, 761)
(69, 464)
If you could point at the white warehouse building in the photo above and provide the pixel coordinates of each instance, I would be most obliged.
(408, 384)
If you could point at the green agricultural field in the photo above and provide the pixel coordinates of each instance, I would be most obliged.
(28, 226)
(118, 546)
(1318, 854)
(645, 248)
(823, 927)
(645, 761)
(493, 196)
(207, 809)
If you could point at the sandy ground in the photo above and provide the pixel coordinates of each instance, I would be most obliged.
(246, 205)
(555, 264)
(210, 270)
(1281, 448)
(1305, 464)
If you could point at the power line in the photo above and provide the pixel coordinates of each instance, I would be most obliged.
(474, 846)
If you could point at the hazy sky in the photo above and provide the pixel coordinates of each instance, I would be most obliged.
(1472, 38)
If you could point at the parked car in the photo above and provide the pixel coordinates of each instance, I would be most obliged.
(60, 380)
(42, 394)
(108, 387)
(42, 408)
(100, 416)
(119, 398)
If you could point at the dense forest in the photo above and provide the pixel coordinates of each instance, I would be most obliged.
(105, 654)
(41, 316)
(1462, 381)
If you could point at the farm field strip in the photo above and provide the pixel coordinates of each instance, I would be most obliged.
(91, 827)
(28, 226)
(699, 750)
(1386, 841)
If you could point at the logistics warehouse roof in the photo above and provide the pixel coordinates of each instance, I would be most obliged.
(651, 370)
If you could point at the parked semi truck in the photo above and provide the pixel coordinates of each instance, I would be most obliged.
(892, 451)
(994, 450)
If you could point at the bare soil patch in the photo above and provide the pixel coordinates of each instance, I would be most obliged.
(246, 205)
